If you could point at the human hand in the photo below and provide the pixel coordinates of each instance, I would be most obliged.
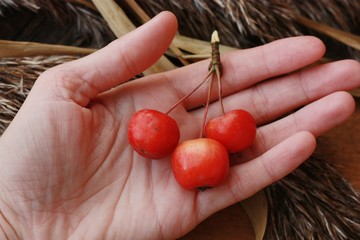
(68, 170)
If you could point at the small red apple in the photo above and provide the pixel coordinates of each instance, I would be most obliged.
(153, 134)
(200, 163)
(236, 130)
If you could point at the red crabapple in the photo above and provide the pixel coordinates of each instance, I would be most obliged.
(236, 130)
(153, 134)
(200, 163)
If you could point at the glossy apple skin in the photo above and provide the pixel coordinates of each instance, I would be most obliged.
(153, 134)
(200, 163)
(236, 130)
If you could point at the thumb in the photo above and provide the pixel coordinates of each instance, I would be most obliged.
(119, 61)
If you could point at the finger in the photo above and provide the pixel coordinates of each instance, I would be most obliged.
(118, 62)
(244, 68)
(269, 100)
(250, 177)
(274, 99)
(317, 118)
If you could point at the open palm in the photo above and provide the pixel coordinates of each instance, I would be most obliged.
(69, 172)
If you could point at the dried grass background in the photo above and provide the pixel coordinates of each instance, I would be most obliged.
(313, 202)
(245, 24)
(68, 22)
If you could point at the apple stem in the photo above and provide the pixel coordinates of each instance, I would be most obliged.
(216, 66)
(217, 71)
(189, 94)
(206, 107)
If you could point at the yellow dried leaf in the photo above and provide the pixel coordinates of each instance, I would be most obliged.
(27, 49)
(120, 24)
(256, 208)
(144, 18)
(196, 46)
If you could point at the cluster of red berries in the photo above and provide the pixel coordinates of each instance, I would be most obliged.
(197, 163)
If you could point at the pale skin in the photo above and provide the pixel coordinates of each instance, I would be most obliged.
(68, 172)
